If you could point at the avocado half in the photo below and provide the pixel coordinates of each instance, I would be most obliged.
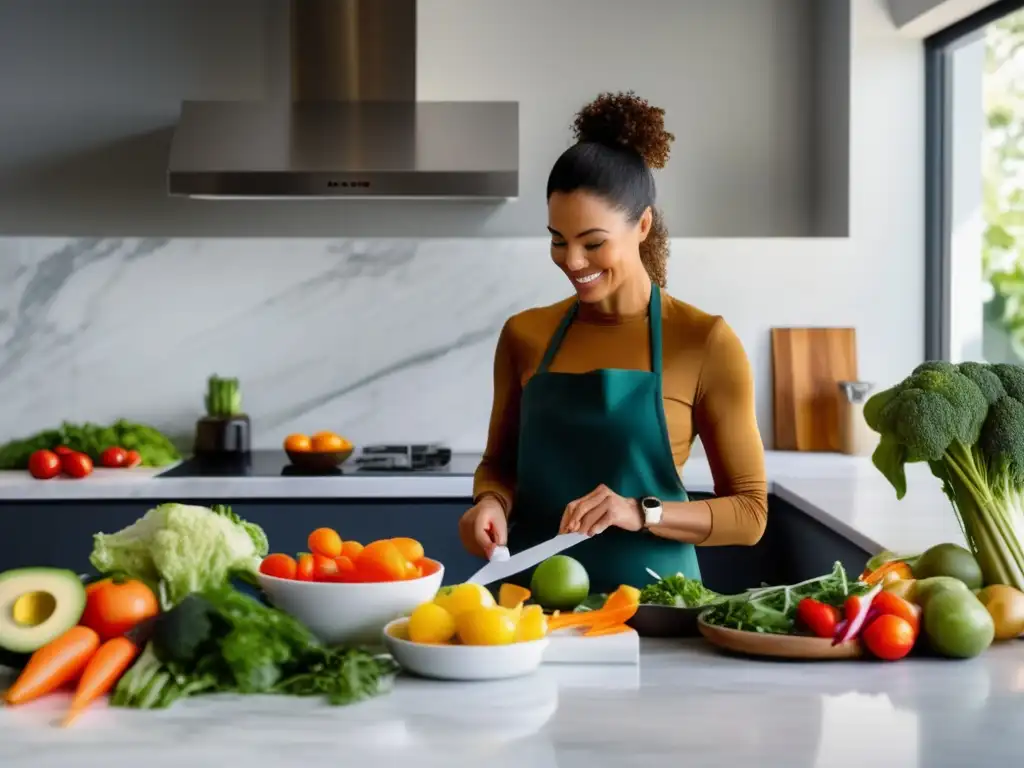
(37, 605)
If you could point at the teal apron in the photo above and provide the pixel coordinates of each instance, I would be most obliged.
(579, 430)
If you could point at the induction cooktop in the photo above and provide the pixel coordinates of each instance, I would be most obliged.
(276, 464)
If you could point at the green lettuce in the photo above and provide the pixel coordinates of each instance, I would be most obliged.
(180, 549)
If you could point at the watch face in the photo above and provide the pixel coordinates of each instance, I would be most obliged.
(650, 503)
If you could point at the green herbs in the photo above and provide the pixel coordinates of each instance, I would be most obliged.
(180, 549)
(224, 641)
(773, 609)
(677, 591)
(154, 448)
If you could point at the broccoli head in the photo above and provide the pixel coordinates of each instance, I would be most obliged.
(967, 422)
(985, 379)
(1002, 439)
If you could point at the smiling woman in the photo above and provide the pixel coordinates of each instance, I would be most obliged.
(597, 399)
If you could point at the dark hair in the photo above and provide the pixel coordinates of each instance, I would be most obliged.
(619, 139)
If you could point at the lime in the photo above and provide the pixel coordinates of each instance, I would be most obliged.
(560, 583)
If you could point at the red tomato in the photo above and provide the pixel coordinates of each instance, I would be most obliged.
(132, 459)
(889, 637)
(304, 568)
(888, 604)
(281, 566)
(76, 465)
(114, 457)
(62, 450)
(44, 464)
(323, 567)
(346, 569)
(112, 607)
(818, 617)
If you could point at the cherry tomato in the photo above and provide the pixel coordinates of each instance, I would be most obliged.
(889, 637)
(114, 457)
(304, 567)
(132, 459)
(279, 565)
(62, 450)
(323, 567)
(44, 464)
(346, 570)
(889, 604)
(325, 541)
(76, 465)
(113, 607)
(818, 617)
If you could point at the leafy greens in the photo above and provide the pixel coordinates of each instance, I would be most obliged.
(677, 591)
(223, 641)
(179, 549)
(773, 609)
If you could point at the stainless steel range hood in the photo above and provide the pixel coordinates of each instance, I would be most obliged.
(353, 127)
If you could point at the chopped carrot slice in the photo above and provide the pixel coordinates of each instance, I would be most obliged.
(602, 629)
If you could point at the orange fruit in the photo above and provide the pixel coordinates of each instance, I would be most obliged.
(381, 561)
(325, 541)
(323, 568)
(346, 569)
(297, 443)
(351, 549)
(411, 549)
(324, 442)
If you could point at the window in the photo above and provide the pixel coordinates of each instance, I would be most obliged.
(975, 208)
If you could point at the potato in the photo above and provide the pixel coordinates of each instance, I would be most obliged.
(1006, 607)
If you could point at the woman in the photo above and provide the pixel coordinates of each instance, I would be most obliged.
(597, 399)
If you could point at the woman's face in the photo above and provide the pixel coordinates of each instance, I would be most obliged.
(594, 243)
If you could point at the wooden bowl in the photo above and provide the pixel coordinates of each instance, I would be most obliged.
(319, 460)
(778, 646)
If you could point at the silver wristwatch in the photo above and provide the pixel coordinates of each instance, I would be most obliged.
(652, 509)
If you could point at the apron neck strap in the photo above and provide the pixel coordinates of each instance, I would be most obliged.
(654, 310)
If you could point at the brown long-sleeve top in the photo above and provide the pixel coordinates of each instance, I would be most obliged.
(708, 391)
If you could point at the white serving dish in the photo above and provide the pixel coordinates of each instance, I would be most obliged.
(462, 662)
(349, 614)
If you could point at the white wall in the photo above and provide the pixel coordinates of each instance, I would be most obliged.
(85, 128)
(872, 280)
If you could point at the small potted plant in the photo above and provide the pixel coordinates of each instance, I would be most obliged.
(225, 429)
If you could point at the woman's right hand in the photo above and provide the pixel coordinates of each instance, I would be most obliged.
(484, 527)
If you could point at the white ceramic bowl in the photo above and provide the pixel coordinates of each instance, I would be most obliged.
(349, 614)
(462, 662)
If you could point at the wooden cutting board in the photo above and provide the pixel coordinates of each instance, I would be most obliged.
(807, 366)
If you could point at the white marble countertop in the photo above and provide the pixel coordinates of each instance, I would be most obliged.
(685, 705)
(845, 493)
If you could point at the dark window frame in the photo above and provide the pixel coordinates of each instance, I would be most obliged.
(938, 174)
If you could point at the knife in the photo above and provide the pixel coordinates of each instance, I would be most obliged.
(498, 568)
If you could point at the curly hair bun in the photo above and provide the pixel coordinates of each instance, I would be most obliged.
(626, 120)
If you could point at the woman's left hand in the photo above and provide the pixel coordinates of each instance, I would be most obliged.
(598, 510)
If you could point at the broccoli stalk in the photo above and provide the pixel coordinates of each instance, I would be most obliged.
(967, 422)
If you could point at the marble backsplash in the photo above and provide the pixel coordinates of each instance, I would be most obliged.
(381, 340)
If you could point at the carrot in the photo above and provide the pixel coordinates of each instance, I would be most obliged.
(895, 569)
(56, 663)
(603, 617)
(101, 674)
